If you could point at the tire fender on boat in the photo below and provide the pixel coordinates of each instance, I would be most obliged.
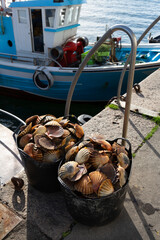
(43, 73)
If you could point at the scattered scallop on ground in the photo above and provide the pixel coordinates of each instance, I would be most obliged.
(101, 167)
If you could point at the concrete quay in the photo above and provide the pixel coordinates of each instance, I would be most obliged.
(30, 214)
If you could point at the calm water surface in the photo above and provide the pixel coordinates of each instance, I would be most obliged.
(95, 15)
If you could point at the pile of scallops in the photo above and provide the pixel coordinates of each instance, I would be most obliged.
(95, 168)
(47, 138)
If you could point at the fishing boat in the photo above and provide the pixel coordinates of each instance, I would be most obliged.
(40, 53)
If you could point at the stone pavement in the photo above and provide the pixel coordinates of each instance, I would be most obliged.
(44, 215)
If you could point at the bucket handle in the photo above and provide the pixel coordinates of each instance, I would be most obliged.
(126, 140)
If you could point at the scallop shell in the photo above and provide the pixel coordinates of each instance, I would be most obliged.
(117, 148)
(37, 154)
(66, 133)
(33, 119)
(69, 146)
(54, 131)
(68, 170)
(26, 130)
(80, 173)
(97, 178)
(84, 185)
(25, 139)
(109, 170)
(40, 130)
(123, 160)
(122, 176)
(98, 159)
(106, 188)
(85, 143)
(52, 156)
(78, 131)
(29, 149)
(46, 143)
(46, 118)
(83, 155)
(70, 155)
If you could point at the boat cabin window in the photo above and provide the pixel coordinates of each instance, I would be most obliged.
(76, 14)
(70, 15)
(22, 16)
(50, 17)
(62, 16)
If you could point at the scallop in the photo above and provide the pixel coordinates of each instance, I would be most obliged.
(68, 170)
(78, 131)
(52, 156)
(25, 139)
(54, 131)
(109, 170)
(84, 185)
(33, 119)
(97, 178)
(122, 176)
(106, 188)
(46, 143)
(26, 130)
(37, 154)
(98, 159)
(118, 148)
(71, 154)
(83, 155)
(80, 173)
(40, 130)
(29, 149)
(123, 160)
(46, 118)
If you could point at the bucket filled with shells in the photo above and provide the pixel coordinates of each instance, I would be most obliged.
(94, 177)
(43, 142)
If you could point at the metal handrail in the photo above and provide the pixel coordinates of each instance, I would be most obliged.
(129, 57)
(130, 75)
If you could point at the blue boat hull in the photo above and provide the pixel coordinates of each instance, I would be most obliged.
(92, 86)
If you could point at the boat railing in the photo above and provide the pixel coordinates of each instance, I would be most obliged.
(130, 75)
(35, 60)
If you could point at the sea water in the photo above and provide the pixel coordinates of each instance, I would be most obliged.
(96, 17)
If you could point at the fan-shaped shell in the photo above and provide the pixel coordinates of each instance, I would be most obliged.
(26, 130)
(83, 155)
(117, 148)
(46, 118)
(97, 178)
(55, 131)
(123, 160)
(106, 188)
(69, 146)
(122, 176)
(46, 143)
(66, 133)
(40, 130)
(70, 155)
(80, 173)
(52, 123)
(25, 139)
(37, 154)
(33, 119)
(29, 149)
(78, 130)
(84, 185)
(52, 155)
(68, 170)
(85, 143)
(98, 159)
(109, 170)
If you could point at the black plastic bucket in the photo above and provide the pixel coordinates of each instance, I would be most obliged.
(96, 211)
(41, 175)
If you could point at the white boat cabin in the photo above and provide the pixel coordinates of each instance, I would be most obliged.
(30, 28)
